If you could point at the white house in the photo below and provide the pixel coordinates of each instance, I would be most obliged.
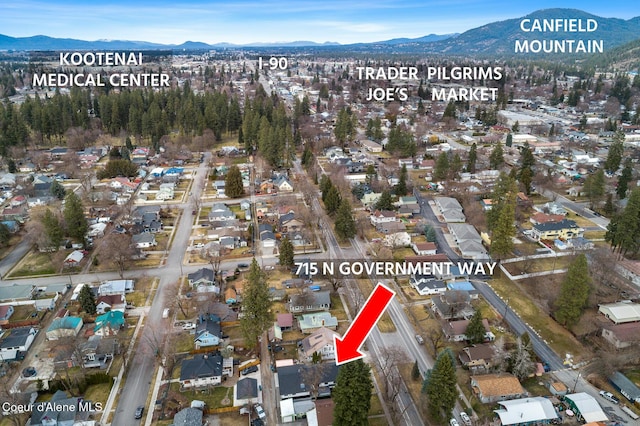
(382, 216)
(321, 342)
(17, 343)
(116, 287)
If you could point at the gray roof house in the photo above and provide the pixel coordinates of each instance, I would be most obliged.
(309, 301)
(201, 370)
(292, 380)
(202, 276)
(188, 417)
(65, 412)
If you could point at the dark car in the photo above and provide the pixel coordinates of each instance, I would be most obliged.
(29, 372)
(243, 265)
(250, 370)
(139, 412)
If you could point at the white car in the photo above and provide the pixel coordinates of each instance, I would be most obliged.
(465, 418)
(453, 422)
(188, 326)
(259, 411)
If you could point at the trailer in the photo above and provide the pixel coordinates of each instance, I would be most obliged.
(629, 412)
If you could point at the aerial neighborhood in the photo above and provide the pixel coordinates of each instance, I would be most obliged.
(155, 244)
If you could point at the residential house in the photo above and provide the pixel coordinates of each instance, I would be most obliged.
(478, 358)
(73, 259)
(382, 216)
(16, 344)
(116, 287)
(5, 313)
(452, 305)
(202, 370)
(370, 198)
(391, 227)
(455, 330)
(97, 351)
(424, 249)
(284, 321)
(626, 387)
(450, 209)
(61, 410)
(97, 230)
(308, 323)
(427, 285)
(144, 240)
(283, 184)
(564, 230)
(208, 331)
(621, 312)
(468, 241)
(371, 146)
(288, 223)
(220, 212)
(293, 380)
(109, 323)
(188, 417)
(112, 302)
(64, 327)
(309, 301)
(321, 342)
(622, 335)
(203, 276)
(492, 388)
(527, 411)
(465, 286)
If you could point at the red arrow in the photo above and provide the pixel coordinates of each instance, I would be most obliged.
(360, 328)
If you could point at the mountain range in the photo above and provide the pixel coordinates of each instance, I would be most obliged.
(496, 38)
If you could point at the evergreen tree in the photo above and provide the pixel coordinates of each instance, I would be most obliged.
(74, 218)
(594, 187)
(332, 201)
(440, 387)
(5, 235)
(475, 329)
(455, 167)
(609, 208)
(325, 184)
(352, 394)
(496, 158)
(57, 190)
(449, 111)
(501, 217)
(623, 231)
(516, 127)
(87, 300)
(415, 371)
(509, 141)
(625, 177)
(11, 166)
(345, 224)
(385, 201)
(430, 234)
(441, 170)
(574, 292)
(53, 229)
(401, 187)
(233, 183)
(616, 150)
(256, 306)
(473, 157)
(286, 253)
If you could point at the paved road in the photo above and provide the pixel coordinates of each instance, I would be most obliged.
(579, 208)
(141, 369)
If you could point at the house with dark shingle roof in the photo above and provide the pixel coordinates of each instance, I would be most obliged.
(201, 370)
(188, 417)
(203, 276)
(61, 410)
(564, 230)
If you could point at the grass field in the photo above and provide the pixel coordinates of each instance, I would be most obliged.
(556, 336)
(35, 263)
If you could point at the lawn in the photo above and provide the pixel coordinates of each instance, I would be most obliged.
(183, 342)
(376, 406)
(560, 340)
(539, 265)
(98, 393)
(142, 288)
(36, 263)
(213, 397)
(337, 309)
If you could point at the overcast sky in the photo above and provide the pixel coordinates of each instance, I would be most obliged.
(249, 21)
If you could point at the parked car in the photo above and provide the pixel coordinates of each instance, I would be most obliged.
(249, 370)
(419, 339)
(465, 418)
(453, 422)
(609, 397)
(29, 372)
(139, 412)
(188, 326)
(259, 411)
